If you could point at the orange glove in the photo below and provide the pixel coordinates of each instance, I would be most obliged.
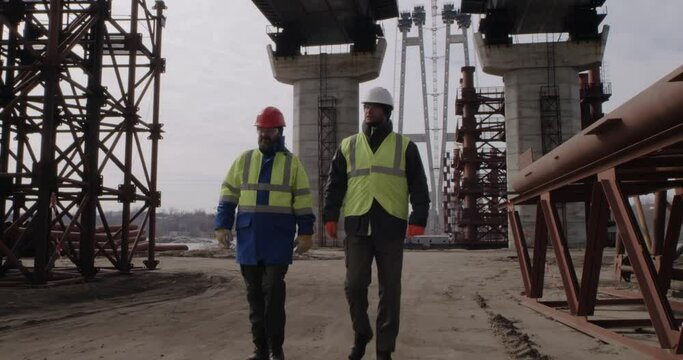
(331, 229)
(414, 230)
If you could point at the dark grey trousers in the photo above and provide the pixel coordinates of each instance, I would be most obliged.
(388, 254)
(266, 291)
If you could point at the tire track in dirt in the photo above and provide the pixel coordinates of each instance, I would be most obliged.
(516, 342)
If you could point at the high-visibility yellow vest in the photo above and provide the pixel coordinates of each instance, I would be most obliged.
(289, 190)
(380, 175)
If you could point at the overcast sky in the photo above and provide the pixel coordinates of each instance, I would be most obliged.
(218, 78)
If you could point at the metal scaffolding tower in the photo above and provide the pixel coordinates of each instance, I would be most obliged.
(549, 97)
(475, 190)
(549, 106)
(73, 81)
(327, 144)
(593, 93)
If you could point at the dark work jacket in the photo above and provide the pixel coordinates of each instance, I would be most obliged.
(378, 219)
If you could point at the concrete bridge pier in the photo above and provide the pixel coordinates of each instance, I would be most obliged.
(525, 69)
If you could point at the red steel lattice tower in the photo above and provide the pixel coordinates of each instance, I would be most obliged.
(74, 141)
(476, 187)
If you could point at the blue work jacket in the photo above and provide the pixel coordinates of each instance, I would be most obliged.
(270, 212)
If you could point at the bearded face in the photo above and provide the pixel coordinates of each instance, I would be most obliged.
(267, 138)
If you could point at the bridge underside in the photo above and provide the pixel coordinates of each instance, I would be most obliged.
(579, 18)
(314, 22)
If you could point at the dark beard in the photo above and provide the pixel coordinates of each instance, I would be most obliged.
(266, 148)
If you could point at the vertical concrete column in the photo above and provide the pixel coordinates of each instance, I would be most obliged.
(524, 68)
(343, 72)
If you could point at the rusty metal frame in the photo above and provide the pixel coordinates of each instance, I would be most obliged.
(73, 80)
(652, 163)
(582, 300)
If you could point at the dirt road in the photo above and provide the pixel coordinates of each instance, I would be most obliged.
(456, 305)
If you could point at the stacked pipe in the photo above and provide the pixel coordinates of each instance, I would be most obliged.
(106, 239)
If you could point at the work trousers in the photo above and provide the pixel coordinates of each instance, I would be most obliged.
(266, 291)
(388, 254)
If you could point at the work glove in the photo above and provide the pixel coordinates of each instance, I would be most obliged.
(304, 243)
(224, 237)
(331, 229)
(414, 230)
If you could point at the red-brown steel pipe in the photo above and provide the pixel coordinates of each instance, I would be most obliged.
(649, 121)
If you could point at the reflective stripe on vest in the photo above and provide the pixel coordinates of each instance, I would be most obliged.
(282, 192)
(380, 175)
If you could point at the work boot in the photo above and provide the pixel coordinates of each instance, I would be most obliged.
(358, 349)
(277, 355)
(384, 356)
(258, 355)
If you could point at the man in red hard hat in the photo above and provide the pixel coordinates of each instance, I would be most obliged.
(270, 189)
(375, 174)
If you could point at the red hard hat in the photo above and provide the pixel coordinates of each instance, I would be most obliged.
(270, 117)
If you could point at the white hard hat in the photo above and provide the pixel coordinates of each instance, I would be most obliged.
(379, 95)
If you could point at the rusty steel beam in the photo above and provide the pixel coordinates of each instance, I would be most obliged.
(673, 232)
(599, 302)
(522, 250)
(540, 250)
(611, 160)
(626, 295)
(129, 121)
(562, 255)
(648, 122)
(47, 167)
(90, 174)
(581, 324)
(532, 273)
(595, 245)
(656, 303)
(642, 221)
(155, 135)
(659, 223)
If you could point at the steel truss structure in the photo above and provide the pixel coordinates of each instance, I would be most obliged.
(549, 103)
(327, 144)
(637, 149)
(476, 189)
(75, 142)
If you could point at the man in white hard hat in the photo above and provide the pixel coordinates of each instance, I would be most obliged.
(375, 174)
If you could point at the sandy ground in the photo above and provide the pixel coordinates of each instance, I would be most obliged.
(456, 305)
